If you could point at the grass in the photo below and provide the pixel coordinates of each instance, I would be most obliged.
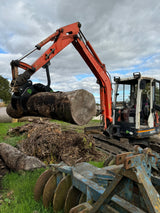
(74, 127)
(17, 194)
(97, 164)
(4, 138)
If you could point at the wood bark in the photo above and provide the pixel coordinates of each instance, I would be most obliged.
(15, 113)
(74, 107)
(16, 160)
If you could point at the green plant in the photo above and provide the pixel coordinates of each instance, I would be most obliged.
(17, 193)
(5, 93)
(97, 164)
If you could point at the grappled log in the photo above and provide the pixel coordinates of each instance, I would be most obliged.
(15, 113)
(17, 160)
(74, 107)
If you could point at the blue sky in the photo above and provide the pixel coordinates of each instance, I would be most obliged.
(2, 51)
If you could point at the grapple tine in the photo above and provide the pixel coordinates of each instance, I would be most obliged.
(61, 193)
(72, 199)
(48, 191)
(15, 100)
(42, 180)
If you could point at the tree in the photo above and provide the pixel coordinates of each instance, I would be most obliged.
(5, 93)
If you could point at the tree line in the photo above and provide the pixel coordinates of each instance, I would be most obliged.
(5, 92)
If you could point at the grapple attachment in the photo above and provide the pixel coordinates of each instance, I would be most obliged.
(125, 187)
(23, 93)
(23, 88)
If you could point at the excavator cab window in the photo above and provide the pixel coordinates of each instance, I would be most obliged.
(145, 101)
(157, 93)
(156, 103)
(125, 102)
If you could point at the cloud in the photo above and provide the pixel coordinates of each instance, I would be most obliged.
(124, 34)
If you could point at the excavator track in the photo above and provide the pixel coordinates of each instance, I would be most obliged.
(112, 146)
(115, 146)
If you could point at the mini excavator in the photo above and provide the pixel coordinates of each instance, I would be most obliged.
(134, 112)
(126, 187)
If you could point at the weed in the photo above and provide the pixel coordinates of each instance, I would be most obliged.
(97, 164)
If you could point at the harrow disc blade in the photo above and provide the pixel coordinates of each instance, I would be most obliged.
(72, 199)
(61, 193)
(82, 198)
(43, 178)
(48, 191)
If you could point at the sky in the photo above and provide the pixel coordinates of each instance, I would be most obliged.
(124, 33)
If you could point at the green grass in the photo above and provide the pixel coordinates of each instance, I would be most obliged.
(4, 138)
(74, 127)
(18, 197)
(17, 194)
(97, 164)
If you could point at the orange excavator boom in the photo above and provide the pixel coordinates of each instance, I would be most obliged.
(62, 38)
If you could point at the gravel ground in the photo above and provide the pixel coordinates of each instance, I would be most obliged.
(4, 117)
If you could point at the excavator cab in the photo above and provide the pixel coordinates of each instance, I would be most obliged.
(136, 107)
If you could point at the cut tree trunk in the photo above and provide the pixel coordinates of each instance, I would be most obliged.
(15, 113)
(74, 107)
(16, 160)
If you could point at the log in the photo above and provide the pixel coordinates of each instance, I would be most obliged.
(16, 160)
(15, 113)
(76, 107)
(4, 117)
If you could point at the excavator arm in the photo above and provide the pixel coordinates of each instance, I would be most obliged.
(62, 38)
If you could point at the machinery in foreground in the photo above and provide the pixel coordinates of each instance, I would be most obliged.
(127, 187)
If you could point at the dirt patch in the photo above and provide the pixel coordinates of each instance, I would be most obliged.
(50, 144)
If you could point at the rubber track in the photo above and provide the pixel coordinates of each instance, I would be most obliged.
(115, 147)
(112, 146)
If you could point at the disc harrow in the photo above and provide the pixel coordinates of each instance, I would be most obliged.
(128, 186)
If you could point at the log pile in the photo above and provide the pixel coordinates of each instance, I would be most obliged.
(76, 107)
